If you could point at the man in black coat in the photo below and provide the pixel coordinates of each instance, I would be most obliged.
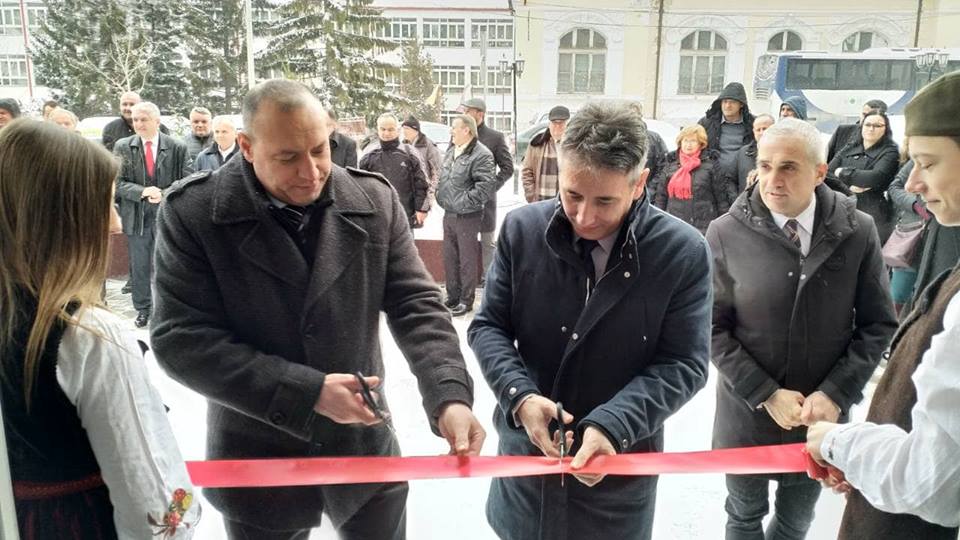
(729, 124)
(223, 148)
(123, 126)
(400, 164)
(343, 149)
(272, 274)
(601, 302)
(497, 144)
(151, 163)
(802, 312)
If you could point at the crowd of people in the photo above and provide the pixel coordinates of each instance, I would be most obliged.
(262, 259)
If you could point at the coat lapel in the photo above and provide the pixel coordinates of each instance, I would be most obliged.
(162, 165)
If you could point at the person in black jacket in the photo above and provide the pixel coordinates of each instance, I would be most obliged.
(497, 144)
(400, 165)
(746, 159)
(729, 124)
(343, 149)
(867, 165)
(123, 126)
(692, 186)
(846, 133)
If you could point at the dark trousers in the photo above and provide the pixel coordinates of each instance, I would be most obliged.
(140, 248)
(461, 255)
(748, 503)
(383, 517)
(488, 243)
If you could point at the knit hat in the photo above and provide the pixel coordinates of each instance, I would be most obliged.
(11, 106)
(935, 110)
(411, 122)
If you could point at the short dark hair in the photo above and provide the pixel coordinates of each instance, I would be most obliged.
(50, 103)
(877, 104)
(607, 135)
(287, 95)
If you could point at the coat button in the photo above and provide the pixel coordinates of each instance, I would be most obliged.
(644, 339)
(575, 336)
(623, 443)
(278, 418)
(626, 274)
(789, 274)
(563, 329)
(512, 391)
(803, 276)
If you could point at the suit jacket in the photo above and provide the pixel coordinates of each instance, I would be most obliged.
(240, 318)
(497, 144)
(343, 150)
(170, 165)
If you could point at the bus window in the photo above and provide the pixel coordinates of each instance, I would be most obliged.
(876, 75)
(807, 74)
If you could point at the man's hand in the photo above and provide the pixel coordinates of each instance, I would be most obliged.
(340, 400)
(785, 406)
(819, 407)
(152, 194)
(595, 443)
(535, 415)
(420, 217)
(461, 429)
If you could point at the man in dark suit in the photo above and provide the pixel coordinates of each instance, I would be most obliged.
(343, 149)
(272, 272)
(497, 144)
(123, 126)
(152, 162)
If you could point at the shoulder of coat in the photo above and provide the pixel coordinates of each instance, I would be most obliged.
(182, 184)
(369, 174)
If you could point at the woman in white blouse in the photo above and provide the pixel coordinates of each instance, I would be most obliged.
(91, 452)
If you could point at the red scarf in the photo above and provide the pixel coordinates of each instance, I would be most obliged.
(681, 183)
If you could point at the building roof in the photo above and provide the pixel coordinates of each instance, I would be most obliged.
(447, 5)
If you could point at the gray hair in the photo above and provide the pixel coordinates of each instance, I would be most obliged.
(806, 133)
(222, 119)
(147, 106)
(60, 111)
(608, 136)
(285, 94)
(201, 110)
(130, 93)
(388, 116)
(764, 115)
(468, 121)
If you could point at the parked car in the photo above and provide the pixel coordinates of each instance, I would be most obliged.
(92, 126)
(438, 133)
(666, 130)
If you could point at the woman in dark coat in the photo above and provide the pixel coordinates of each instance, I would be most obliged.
(867, 165)
(692, 186)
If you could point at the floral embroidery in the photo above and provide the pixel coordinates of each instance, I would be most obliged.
(173, 517)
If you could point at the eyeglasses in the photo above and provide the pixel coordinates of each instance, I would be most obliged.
(875, 126)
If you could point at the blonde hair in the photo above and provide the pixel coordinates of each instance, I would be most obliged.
(55, 195)
(696, 130)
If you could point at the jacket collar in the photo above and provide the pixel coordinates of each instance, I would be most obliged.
(836, 216)
(559, 233)
(469, 149)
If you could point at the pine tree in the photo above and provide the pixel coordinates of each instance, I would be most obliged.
(216, 39)
(416, 83)
(161, 23)
(331, 46)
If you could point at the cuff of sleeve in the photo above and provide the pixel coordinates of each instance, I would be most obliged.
(516, 408)
(833, 445)
(611, 426)
(760, 394)
(513, 394)
(452, 383)
(291, 408)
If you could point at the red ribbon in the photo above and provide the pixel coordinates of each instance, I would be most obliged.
(790, 458)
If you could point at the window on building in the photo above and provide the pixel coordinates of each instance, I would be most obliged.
(265, 15)
(499, 33)
(271, 73)
(398, 29)
(861, 41)
(499, 120)
(391, 79)
(443, 33)
(583, 62)
(497, 82)
(451, 78)
(785, 41)
(703, 57)
(13, 70)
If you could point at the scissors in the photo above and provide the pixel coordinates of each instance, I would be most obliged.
(371, 401)
(563, 439)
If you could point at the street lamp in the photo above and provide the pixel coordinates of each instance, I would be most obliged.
(932, 61)
(516, 69)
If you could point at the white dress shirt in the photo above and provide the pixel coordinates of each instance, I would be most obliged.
(805, 219)
(918, 472)
(225, 153)
(154, 143)
(105, 377)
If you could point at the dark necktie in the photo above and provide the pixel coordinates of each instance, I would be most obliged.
(586, 255)
(292, 219)
(792, 229)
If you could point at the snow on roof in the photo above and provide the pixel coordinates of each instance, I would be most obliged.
(473, 5)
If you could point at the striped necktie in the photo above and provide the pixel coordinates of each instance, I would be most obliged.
(792, 229)
(292, 219)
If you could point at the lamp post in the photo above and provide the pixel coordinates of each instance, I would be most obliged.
(516, 69)
(932, 61)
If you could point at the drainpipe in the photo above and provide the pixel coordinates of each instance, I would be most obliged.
(656, 77)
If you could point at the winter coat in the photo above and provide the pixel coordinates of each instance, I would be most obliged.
(714, 116)
(497, 144)
(781, 320)
(430, 156)
(745, 162)
(400, 164)
(624, 362)
(901, 199)
(210, 159)
(195, 145)
(532, 165)
(799, 106)
(844, 134)
(170, 165)
(873, 168)
(656, 154)
(118, 129)
(466, 182)
(941, 252)
(241, 318)
(343, 150)
(712, 193)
